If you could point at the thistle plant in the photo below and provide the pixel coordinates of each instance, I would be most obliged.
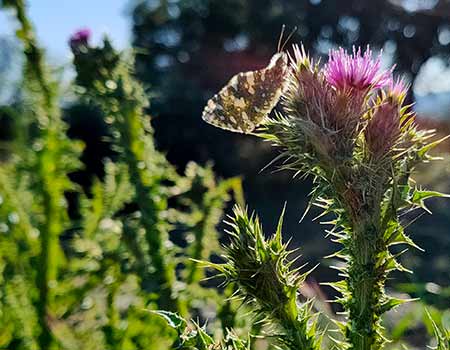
(269, 281)
(54, 157)
(123, 101)
(346, 125)
(85, 277)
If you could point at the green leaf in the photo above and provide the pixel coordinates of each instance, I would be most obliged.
(423, 151)
(396, 235)
(173, 320)
(392, 302)
(200, 339)
(442, 335)
(420, 196)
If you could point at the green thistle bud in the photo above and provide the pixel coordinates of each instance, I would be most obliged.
(267, 279)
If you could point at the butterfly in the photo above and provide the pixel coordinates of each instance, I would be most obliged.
(248, 98)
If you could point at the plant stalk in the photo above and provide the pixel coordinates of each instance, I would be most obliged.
(51, 191)
(366, 287)
(164, 274)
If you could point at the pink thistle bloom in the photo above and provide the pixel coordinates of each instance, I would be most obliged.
(355, 72)
(80, 38)
(331, 120)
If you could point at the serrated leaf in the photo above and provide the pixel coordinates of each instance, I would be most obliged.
(173, 320)
(339, 286)
(442, 336)
(392, 302)
(395, 234)
(420, 196)
(423, 151)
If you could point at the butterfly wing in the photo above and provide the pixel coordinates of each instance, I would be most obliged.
(248, 97)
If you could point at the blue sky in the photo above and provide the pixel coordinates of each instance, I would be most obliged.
(55, 20)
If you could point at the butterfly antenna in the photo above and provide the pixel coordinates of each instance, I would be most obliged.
(279, 47)
(287, 39)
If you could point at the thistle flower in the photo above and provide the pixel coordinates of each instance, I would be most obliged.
(80, 38)
(326, 118)
(356, 72)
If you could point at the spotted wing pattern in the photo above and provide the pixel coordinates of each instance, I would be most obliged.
(248, 98)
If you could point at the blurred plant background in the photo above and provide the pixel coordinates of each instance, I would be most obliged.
(185, 51)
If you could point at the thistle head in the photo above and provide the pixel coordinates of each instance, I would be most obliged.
(326, 119)
(260, 267)
(330, 112)
(95, 65)
(80, 39)
(356, 72)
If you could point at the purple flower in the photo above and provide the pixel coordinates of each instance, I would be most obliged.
(330, 119)
(80, 38)
(355, 72)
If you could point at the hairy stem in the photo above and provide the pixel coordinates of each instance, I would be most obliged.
(366, 287)
(366, 272)
(366, 280)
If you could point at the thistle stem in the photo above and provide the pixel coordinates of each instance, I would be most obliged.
(366, 273)
(164, 270)
(366, 287)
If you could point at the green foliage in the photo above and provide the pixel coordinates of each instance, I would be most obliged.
(82, 276)
(197, 338)
(443, 338)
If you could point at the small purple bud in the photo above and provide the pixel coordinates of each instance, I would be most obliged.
(80, 38)
(397, 90)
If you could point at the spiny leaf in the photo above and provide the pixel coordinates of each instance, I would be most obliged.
(442, 336)
(423, 151)
(392, 302)
(419, 196)
(173, 320)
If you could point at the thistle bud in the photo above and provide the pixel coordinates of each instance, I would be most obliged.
(397, 91)
(383, 129)
(80, 39)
